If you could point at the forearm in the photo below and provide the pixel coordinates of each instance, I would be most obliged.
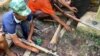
(63, 2)
(60, 21)
(17, 42)
(31, 30)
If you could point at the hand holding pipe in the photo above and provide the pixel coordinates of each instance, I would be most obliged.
(74, 18)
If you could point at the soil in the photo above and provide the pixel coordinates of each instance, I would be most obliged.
(75, 44)
(78, 43)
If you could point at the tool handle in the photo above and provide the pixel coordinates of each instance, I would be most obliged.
(55, 36)
(38, 47)
(74, 18)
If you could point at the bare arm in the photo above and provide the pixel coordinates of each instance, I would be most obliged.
(4, 46)
(3, 43)
(61, 22)
(67, 5)
(63, 2)
(31, 31)
(17, 42)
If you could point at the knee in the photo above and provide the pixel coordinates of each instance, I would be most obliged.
(17, 42)
(2, 37)
(3, 43)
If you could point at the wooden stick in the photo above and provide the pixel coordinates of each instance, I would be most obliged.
(63, 30)
(38, 47)
(55, 36)
(27, 53)
(74, 18)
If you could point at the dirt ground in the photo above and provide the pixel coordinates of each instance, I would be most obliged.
(77, 44)
(82, 42)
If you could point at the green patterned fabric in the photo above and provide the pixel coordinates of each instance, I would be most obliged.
(20, 7)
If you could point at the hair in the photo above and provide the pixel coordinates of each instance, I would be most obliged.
(15, 13)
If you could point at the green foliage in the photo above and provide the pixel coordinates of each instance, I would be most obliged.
(89, 34)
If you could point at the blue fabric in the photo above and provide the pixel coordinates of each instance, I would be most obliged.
(9, 24)
(25, 28)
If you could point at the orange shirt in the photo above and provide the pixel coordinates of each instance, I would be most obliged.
(43, 5)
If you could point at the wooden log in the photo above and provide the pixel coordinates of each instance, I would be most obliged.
(76, 19)
(38, 47)
(63, 30)
(55, 36)
(27, 53)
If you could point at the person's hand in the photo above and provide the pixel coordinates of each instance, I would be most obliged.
(68, 28)
(68, 2)
(34, 49)
(74, 9)
(30, 40)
